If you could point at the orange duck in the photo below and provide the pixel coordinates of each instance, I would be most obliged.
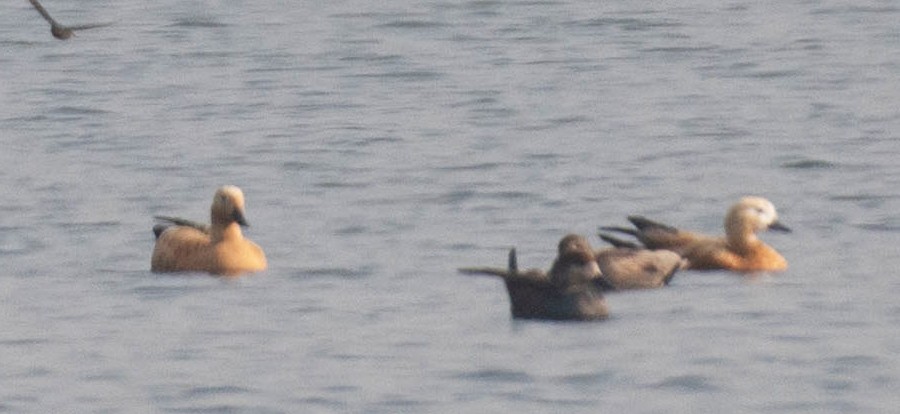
(220, 248)
(740, 250)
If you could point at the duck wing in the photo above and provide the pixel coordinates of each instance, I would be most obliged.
(638, 268)
(167, 222)
(511, 273)
(644, 224)
(617, 242)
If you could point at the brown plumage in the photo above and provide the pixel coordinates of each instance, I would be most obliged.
(59, 31)
(567, 292)
(220, 248)
(575, 264)
(740, 250)
(625, 268)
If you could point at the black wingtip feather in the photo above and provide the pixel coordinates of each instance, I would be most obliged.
(617, 242)
(643, 224)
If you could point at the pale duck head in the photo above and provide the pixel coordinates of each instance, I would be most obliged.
(228, 206)
(753, 214)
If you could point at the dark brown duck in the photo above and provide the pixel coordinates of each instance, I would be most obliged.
(568, 292)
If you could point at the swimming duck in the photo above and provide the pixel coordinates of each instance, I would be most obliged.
(629, 266)
(740, 250)
(567, 292)
(59, 31)
(219, 248)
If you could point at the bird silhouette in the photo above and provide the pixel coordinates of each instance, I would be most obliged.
(569, 291)
(59, 31)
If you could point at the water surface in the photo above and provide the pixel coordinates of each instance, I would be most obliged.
(383, 145)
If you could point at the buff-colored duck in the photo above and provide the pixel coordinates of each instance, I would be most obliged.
(567, 292)
(629, 266)
(220, 248)
(740, 250)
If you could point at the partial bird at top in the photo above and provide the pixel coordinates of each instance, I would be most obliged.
(59, 31)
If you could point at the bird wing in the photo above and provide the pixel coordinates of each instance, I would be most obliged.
(183, 222)
(89, 26)
(43, 12)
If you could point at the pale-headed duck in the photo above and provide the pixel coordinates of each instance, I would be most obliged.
(740, 250)
(220, 248)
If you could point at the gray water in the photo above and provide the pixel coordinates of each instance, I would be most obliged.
(381, 145)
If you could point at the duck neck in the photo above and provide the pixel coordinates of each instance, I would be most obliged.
(740, 234)
(222, 231)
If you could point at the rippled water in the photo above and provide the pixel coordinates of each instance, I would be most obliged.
(383, 144)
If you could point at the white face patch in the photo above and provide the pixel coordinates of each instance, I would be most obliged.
(767, 216)
(232, 191)
(594, 269)
(763, 210)
(577, 273)
(231, 195)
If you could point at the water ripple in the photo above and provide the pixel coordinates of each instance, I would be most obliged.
(809, 164)
(209, 391)
(628, 23)
(589, 379)
(23, 342)
(160, 292)
(687, 383)
(412, 24)
(496, 375)
(409, 75)
(198, 22)
(335, 272)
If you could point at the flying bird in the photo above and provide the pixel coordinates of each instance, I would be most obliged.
(59, 31)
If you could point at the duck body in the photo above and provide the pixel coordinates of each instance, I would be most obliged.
(529, 300)
(567, 292)
(625, 268)
(739, 250)
(220, 248)
(719, 254)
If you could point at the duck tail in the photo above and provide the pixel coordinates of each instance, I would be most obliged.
(618, 229)
(644, 224)
(511, 271)
(489, 271)
(617, 242)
